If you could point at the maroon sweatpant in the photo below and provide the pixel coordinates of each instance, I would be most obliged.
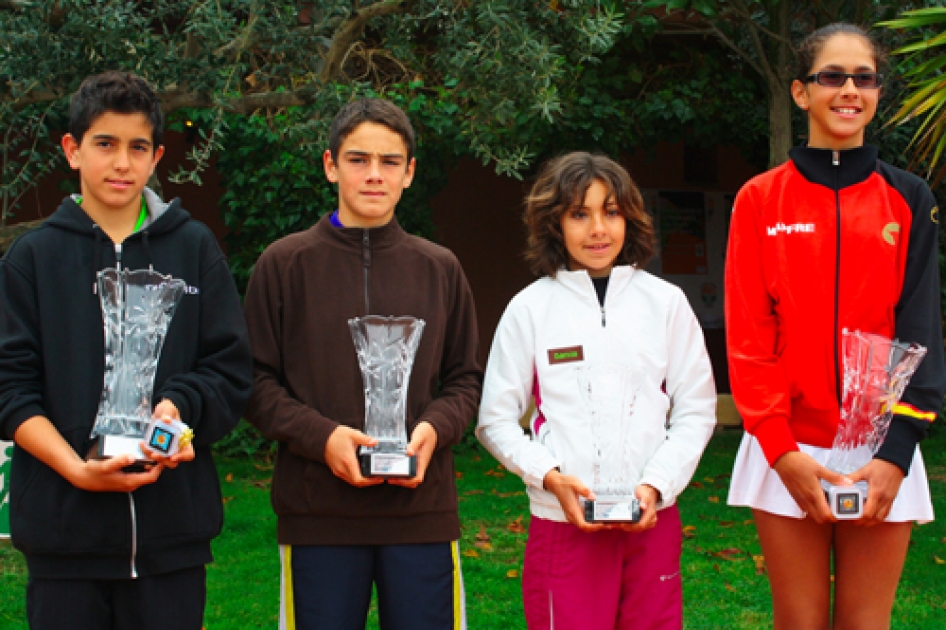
(609, 580)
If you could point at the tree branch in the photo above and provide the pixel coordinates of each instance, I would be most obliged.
(34, 97)
(191, 46)
(352, 29)
(768, 73)
(245, 104)
(714, 31)
(743, 11)
(172, 100)
(245, 40)
(55, 15)
(17, 5)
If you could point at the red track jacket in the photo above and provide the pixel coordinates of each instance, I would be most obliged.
(827, 241)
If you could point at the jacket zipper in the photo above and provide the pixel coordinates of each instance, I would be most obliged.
(604, 321)
(131, 497)
(366, 260)
(134, 536)
(836, 162)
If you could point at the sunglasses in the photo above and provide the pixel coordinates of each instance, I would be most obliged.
(832, 79)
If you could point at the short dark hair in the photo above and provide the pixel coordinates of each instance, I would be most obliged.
(560, 186)
(119, 92)
(811, 47)
(374, 110)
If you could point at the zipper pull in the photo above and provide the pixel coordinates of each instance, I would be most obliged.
(603, 319)
(365, 250)
(836, 158)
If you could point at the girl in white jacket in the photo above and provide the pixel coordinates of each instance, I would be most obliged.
(595, 311)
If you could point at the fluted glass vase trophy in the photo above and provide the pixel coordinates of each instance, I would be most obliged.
(137, 308)
(608, 394)
(876, 371)
(386, 347)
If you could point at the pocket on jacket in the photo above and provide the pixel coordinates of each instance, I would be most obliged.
(34, 513)
(95, 521)
(179, 504)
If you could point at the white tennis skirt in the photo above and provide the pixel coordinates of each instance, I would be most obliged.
(756, 485)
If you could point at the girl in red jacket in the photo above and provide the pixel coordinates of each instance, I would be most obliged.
(832, 239)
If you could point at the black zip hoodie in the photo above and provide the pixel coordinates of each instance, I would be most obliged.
(52, 364)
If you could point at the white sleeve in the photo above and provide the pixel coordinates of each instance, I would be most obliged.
(507, 390)
(692, 394)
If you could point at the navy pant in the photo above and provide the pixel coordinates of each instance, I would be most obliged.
(159, 602)
(418, 586)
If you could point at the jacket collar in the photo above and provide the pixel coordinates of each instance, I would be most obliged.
(163, 217)
(580, 282)
(381, 237)
(835, 169)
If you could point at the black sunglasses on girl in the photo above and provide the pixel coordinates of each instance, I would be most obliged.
(832, 79)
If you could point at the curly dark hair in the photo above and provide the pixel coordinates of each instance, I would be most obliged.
(811, 46)
(560, 186)
(118, 92)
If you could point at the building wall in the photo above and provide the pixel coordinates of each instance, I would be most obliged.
(479, 216)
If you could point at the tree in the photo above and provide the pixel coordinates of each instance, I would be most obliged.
(925, 70)
(761, 33)
(496, 63)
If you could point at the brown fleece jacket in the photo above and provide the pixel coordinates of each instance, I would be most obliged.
(307, 382)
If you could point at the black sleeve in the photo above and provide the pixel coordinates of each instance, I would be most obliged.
(21, 366)
(212, 397)
(919, 319)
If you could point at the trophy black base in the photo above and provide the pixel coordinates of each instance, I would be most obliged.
(625, 509)
(387, 464)
(846, 502)
(108, 446)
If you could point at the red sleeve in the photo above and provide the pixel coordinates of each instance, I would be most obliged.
(760, 389)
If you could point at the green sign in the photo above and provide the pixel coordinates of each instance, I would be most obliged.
(6, 458)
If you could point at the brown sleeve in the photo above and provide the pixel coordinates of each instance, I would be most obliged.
(272, 409)
(461, 376)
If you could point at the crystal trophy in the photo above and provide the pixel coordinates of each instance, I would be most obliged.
(608, 394)
(386, 347)
(137, 307)
(876, 371)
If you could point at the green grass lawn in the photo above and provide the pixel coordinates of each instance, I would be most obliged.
(723, 578)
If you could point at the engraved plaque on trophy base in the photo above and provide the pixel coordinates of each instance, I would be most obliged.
(107, 446)
(846, 502)
(378, 462)
(612, 509)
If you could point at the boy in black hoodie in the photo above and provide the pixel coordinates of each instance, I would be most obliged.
(107, 548)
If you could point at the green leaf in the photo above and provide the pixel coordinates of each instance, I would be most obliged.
(916, 19)
(706, 7)
(922, 45)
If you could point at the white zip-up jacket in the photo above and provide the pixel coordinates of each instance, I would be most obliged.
(555, 326)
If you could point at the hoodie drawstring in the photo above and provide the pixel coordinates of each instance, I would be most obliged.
(96, 258)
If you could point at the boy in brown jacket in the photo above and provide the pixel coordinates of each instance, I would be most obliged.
(340, 532)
